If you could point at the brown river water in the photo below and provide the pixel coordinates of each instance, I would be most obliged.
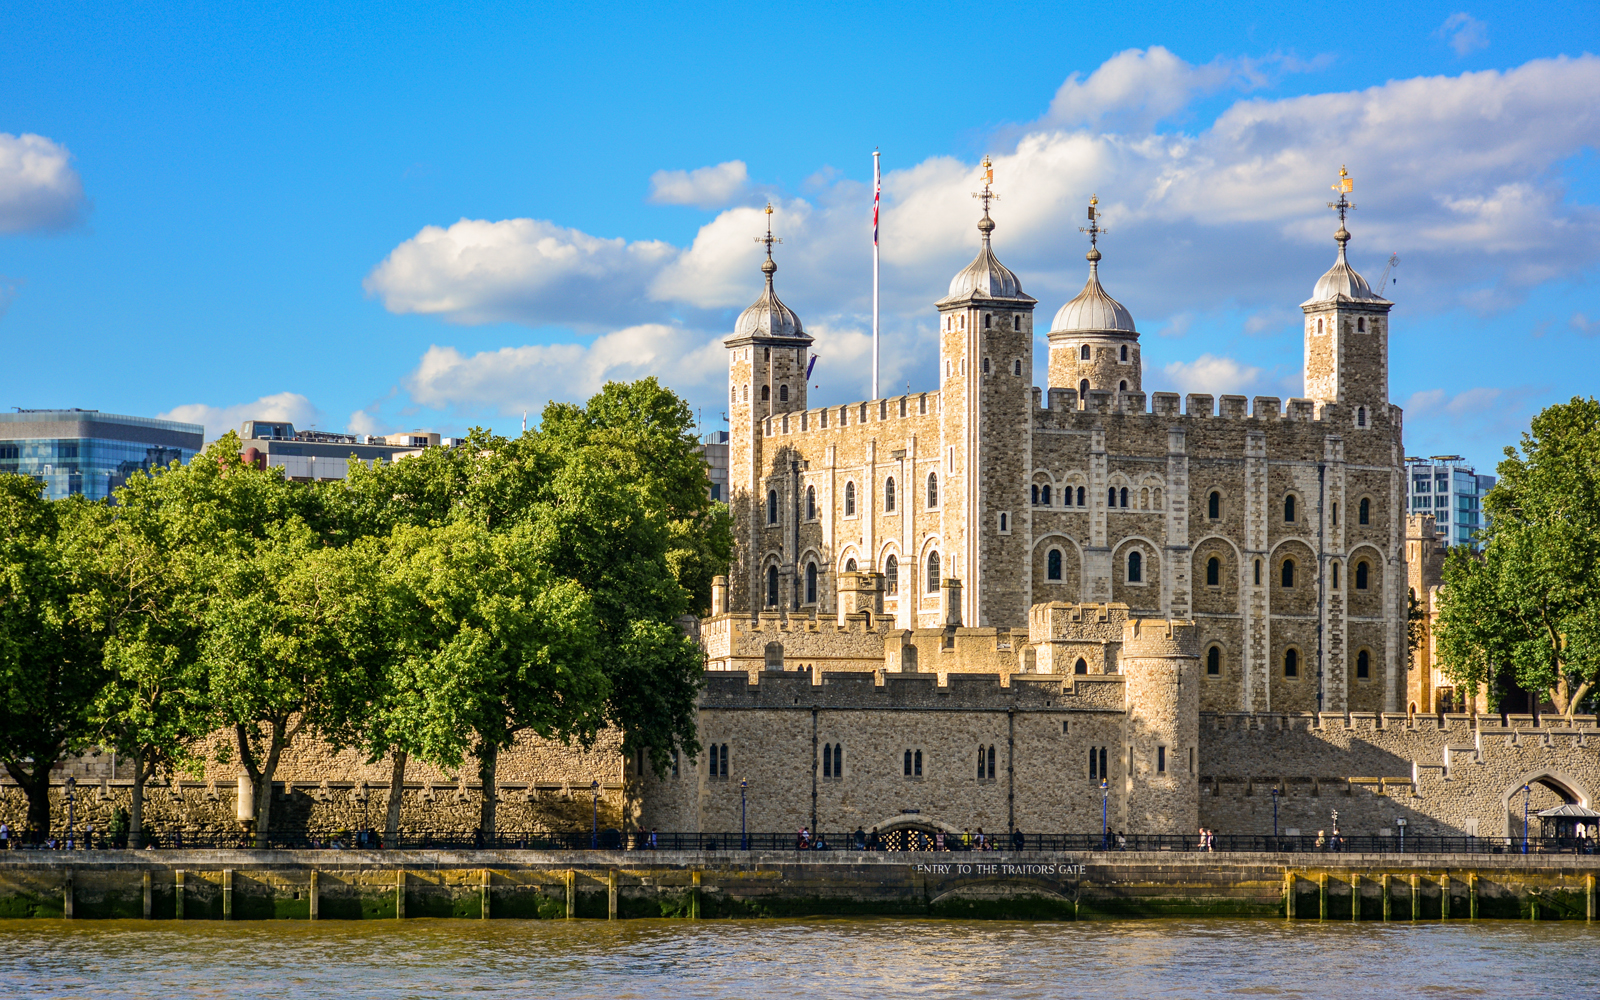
(794, 959)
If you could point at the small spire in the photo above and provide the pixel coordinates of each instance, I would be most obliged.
(986, 224)
(768, 267)
(1342, 206)
(1095, 231)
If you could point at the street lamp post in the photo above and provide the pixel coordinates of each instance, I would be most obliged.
(1105, 826)
(1275, 817)
(1333, 841)
(1401, 823)
(744, 835)
(594, 789)
(1526, 791)
(72, 801)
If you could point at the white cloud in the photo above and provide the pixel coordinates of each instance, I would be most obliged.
(1209, 373)
(39, 190)
(519, 270)
(1139, 87)
(1437, 402)
(706, 187)
(10, 288)
(1465, 33)
(513, 379)
(1584, 325)
(366, 421)
(217, 420)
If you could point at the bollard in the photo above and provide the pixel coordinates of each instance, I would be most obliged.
(177, 899)
(147, 897)
(572, 892)
(483, 897)
(314, 894)
(1415, 887)
(611, 895)
(1322, 896)
(227, 893)
(1472, 895)
(1386, 881)
(66, 897)
(1355, 898)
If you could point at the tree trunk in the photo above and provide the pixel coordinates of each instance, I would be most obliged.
(261, 773)
(486, 764)
(397, 789)
(136, 807)
(36, 785)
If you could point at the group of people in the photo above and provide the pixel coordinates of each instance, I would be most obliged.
(1208, 839)
(911, 840)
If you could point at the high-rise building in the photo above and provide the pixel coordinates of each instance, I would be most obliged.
(714, 447)
(1449, 489)
(88, 452)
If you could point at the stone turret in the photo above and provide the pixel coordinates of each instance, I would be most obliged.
(1161, 660)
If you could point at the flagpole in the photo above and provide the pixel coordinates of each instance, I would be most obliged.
(877, 188)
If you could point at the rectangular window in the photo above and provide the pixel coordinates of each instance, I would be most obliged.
(1094, 764)
(1103, 772)
(1161, 760)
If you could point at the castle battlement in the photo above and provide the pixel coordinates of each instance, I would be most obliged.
(848, 416)
(808, 689)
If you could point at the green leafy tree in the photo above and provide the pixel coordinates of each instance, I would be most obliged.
(1532, 601)
(51, 639)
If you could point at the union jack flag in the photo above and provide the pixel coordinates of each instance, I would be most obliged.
(877, 189)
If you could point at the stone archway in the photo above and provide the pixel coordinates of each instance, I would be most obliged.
(1547, 789)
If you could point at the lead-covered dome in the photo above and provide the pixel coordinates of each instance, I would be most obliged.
(768, 316)
(986, 277)
(1093, 311)
(1341, 282)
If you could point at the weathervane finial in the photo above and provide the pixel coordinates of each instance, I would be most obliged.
(1342, 206)
(986, 224)
(769, 268)
(1095, 231)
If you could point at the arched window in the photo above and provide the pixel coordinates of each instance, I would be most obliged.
(1361, 575)
(1364, 511)
(746, 393)
(1214, 505)
(1361, 325)
(766, 393)
(1291, 663)
(1083, 387)
(827, 760)
(766, 354)
(1081, 667)
(1288, 572)
(1363, 665)
(838, 760)
(980, 761)
(933, 572)
(1361, 416)
(986, 366)
(735, 393)
(1335, 574)
(933, 490)
(1124, 496)
(1111, 497)
(1124, 352)
(1214, 661)
(1135, 567)
(888, 495)
(1036, 494)
(783, 394)
(849, 499)
(1066, 496)
(772, 586)
(1213, 572)
(908, 763)
(916, 764)
(1083, 352)
(991, 760)
(1288, 509)
(811, 503)
(772, 506)
(1016, 367)
(1122, 386)
(891, 576)
(811, 583)
(1052, 565)
(1258, 572)
(1080, 496)
(1319, 326)
(1045, 494)
(850, 565)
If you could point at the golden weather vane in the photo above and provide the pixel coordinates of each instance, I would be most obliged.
(1094, 229)
(987, 194)
(768, 239)
(1344, 187)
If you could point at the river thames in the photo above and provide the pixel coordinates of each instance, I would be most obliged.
(873, 958)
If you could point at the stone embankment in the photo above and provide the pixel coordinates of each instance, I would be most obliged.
(242, 884)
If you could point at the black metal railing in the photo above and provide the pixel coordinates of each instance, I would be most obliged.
(892, 841)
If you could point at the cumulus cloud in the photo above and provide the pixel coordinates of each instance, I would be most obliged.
(1216, 375)
(706, 187)
(39, 190)
(1438, 402)
(1465, 33)
(218, 420)
(513, 379)
(519, 270)
(1139, 87)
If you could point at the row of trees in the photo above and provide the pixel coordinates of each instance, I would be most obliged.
(1527, 608)
(430, 609)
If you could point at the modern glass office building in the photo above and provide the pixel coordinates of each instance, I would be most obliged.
(1452, 491)
(88, 452)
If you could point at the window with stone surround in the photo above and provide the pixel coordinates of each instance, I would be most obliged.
(933, 490)
(1291, 662)
(888, 495)
(1258, 572)
(783, 394)
(1044, 495)
(891, 576)
(1083, 353)
(1124, 356)
(849, 499)
(913, 764)
(1005, 522)
(1363, 571)
(1364, 511)
(1124, 497)
(772, 506)
(1213, 572)
(1214, 661)
(1081, 667)
(1214, 506)
(1289, 508)
(811, 503)
(1016, 367)
(772, 586)
(1036, 494)
(933, 572)
(766, 393)
(1286, 575)
(1363, 665)
(811, 583)
(1052, 565)
(1080, 496)
(1135, 567)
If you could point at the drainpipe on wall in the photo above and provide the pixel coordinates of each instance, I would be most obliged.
(813, 770)
(1011, 769)
(1322, 471)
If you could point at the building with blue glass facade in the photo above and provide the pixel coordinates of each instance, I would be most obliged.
(88, 452)
(1452, 491)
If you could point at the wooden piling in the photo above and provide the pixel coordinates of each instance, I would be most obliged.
(227, 893)
(483, 897)
(148, 894)
(1472, 895)
(177, 899)
(400, 894)
(1322, 896)
(66, 896)
(1444, 896)
(611, 895)
(694, 896)
(315, 894)
(1386, 887)
(1288, 894)
(1355, 898)
(1416, 888)
(572, 893)
(1588, 895)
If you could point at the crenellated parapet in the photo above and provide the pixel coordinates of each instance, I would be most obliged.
(807, 689)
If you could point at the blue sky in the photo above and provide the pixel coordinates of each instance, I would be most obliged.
(389, 216)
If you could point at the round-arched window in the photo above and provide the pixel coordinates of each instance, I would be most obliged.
(933, 572)
(1214, 505)
(891, 576)
(888, 495)
(1083, 353)
(1213, 572)
(783, 394)
(1135, 567)
(849, 499)
(1362, 570)
(1291, 663)
(1214, 661)
(811, 503)
(1052, 565)
(1288, 573)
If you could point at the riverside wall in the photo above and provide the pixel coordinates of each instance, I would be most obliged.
(240, 885)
